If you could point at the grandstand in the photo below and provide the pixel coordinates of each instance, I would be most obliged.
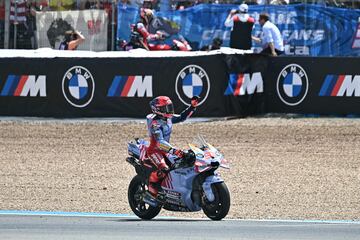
(19, 30)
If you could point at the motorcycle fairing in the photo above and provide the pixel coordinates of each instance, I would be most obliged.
(207, 186)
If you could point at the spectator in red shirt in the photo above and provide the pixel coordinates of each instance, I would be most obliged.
(20, 20)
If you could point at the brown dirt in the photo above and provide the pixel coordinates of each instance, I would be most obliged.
(281, 168)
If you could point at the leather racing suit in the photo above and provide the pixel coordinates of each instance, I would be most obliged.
(159, 130)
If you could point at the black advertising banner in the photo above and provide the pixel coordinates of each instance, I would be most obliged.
(245, 90)
(313, 85)
(122, 87)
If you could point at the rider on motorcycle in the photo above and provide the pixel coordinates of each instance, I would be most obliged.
(159, 128)
(140, 34)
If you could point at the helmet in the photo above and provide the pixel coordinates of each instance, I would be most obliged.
(162, 106)
(146, 14)
(244, 8)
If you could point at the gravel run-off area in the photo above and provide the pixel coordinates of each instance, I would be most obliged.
(281, 168)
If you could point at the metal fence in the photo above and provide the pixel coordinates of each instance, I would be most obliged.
(18, 28)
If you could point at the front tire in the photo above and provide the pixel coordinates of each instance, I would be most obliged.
(136, 190)
(219, 208)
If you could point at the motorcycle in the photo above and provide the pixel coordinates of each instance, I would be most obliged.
(137, 41)
(191, 184)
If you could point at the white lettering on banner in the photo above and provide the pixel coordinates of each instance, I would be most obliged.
(208, 35)
(69, 75)
(250, 84)
(350, 86)
(304, 35)
(141, 87)
(78, 70)
(34, 86)
(313, 35)
(279, 17)
(297, 50)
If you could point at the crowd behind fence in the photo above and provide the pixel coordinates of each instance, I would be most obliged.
(18, 17)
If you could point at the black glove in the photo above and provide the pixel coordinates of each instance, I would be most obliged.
(189, 157)
(195, 101)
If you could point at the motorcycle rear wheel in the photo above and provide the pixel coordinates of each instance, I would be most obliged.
(219, 208)
(141, 209)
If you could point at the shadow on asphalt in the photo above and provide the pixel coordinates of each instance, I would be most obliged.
(159, 220)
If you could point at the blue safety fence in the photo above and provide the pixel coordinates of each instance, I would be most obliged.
(314, 30)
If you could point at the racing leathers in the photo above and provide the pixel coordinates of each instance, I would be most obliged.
(141, 37)
(159, 130)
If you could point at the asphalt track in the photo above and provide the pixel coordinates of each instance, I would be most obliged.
(55, 226)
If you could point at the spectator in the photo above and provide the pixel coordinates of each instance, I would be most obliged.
(72, 40)
(62, 5)
(151, 4)
(262, 2)
(42, 5)
(271, 38)
(216, 44)
(251, 2)
(241, 27)
(181, 5)
(93, 4)
(18, 22)
(279, 2)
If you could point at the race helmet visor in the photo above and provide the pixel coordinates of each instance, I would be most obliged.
(168, 109)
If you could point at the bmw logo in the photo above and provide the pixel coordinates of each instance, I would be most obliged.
(191, 81)
(78, 86)
(292, 84)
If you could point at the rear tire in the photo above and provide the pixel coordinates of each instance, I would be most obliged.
(136, 190)
(219, 208)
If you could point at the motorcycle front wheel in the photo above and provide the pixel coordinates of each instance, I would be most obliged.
(136, 190)
(219, 208)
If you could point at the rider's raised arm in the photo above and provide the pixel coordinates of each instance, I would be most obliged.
(183, 115)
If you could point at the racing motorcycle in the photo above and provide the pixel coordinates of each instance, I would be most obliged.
(192, 183)
(137, 41)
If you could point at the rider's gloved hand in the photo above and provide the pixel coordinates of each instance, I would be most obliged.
(160, 35)
(195, 101)
(177, 152)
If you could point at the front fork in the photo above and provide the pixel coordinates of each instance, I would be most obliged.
(207, 186)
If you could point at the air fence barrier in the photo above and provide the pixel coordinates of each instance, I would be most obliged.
(62, 84)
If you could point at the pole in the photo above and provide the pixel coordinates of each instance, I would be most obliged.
(112, 24)
(7, 25)
(15, 24)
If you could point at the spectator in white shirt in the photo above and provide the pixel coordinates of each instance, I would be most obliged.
(271, 39)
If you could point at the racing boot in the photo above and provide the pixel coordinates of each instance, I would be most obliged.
(155, 193)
